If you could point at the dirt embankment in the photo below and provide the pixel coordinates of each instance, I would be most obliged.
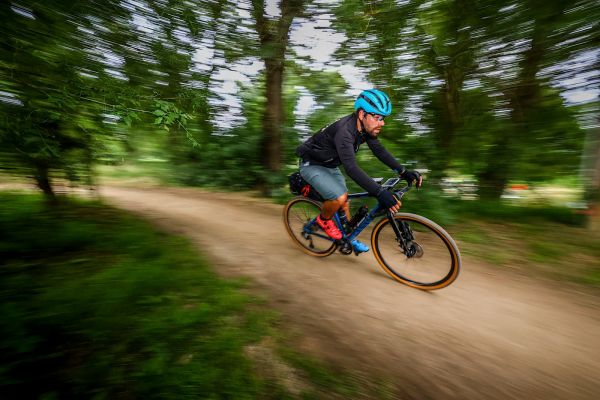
(490, 335)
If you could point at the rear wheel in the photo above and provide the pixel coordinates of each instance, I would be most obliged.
(430, 259)
(298, 218)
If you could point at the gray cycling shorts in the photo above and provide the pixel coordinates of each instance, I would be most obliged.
(329, 182)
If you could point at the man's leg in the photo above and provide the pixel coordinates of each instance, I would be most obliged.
(325, 221)
(346, 208)
(330, 183)
(330, 207)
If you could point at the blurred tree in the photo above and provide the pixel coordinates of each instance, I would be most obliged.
(590, 168)
(537, 21)
(422, 53)
(48, 124)
(450, 55)
(328, 89)
(69, 73)
(180, 85)
(529, 45)
(380, 40)
(592, 192)
(274, 35)
(480, 74)
(478, 86)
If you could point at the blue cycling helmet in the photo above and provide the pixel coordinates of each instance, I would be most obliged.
(374, 101)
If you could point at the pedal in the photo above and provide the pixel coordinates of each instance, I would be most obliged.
(346, 248)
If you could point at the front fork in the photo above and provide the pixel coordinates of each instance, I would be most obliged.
(404, 235)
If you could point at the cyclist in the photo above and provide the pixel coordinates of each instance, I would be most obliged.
(335, 145)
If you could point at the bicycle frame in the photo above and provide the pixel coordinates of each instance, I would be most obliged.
(398, 241)
(376, 211)
(362, 224)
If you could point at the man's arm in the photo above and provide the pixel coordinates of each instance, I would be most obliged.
(383, 155)
(344, 143)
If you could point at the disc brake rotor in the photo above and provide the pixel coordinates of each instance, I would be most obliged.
(415, 250)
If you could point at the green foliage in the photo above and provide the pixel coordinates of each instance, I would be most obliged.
(431, 203)
(51, 125)
(76, 73)
(554, 144)
(487, 107)
(499, 211)
(226, 162)
(168, 116)
(98, 304)
(478, 87)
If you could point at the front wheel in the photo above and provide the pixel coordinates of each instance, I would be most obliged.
(298, 217)
(424, 256)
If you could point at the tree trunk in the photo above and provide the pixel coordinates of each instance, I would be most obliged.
(274, 37)
(43, 181)
(453, 81)
(453, 71)
(273, 118)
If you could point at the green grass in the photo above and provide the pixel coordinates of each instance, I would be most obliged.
(545, 252)
(136, 172)
(95, 303)
(476, 235)
(499, 211)
(335, 382)
(557, 251)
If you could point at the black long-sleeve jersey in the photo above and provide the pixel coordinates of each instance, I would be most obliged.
(337, 145)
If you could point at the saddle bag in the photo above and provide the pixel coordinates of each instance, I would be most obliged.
(302, 188)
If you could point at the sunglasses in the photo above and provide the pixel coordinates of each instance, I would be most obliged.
(377, 117)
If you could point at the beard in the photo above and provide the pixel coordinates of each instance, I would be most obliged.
(374, 132)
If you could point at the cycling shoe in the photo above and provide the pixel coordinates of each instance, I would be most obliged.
(359, 246)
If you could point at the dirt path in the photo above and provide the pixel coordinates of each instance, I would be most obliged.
(491, 335)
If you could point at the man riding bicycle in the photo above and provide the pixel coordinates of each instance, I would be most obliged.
(335, 145)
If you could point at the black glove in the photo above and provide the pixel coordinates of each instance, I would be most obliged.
(411, 176)
(387, 199)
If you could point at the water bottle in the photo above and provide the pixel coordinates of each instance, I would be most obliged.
(358, 216)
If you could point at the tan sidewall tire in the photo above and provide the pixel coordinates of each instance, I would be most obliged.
(455, 253)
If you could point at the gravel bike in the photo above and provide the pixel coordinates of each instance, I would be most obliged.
(410, 248)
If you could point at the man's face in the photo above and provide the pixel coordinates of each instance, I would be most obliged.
(373, 123)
